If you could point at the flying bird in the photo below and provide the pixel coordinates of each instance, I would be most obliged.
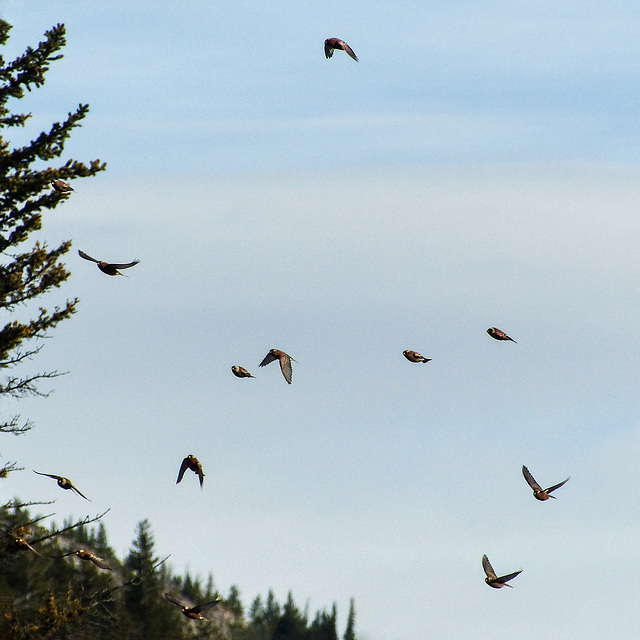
(192, 463)
(63, 482)
(492, 579)
(195, 613)
(241, 372)
(414, 356)
(20, 544)
(285, 362)
(498, 334)
(83, 554)
(538, 492)
(61, 186)
(111, 269)
(331, 44)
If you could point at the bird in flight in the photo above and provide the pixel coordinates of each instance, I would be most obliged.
(61, 186)
(285, 362)
(192, 463)
(241, 372)
(20, 544)
(331, 44)
(492, 579)
(83, 554)
(414, 356)
(496, 333)
(111, 269)
(538, 492)
(195, 613)
(63, 482)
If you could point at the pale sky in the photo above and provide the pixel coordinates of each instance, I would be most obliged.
(478, 167)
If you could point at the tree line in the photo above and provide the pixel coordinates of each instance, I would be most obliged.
(49, 592)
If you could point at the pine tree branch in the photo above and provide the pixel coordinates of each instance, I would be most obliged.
(81, 523)
(12, 426)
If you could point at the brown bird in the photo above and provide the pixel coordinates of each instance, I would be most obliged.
(330, 44)
(20, 544)
(194, 612)
(492, 579)
(61, 186)
(414, 356)
(538, 492)
(285, 362)
(241, 372)
(499, 335)
(111, 269)
(63, 482)
(191, 462)
(83, 554)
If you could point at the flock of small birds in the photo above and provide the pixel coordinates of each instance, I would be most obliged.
(191, 463)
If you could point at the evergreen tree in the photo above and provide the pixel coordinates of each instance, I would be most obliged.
(271, 609)
(257, 612)
(233, 603)
(28, 272)
(324, 626)
(350, 631)
(153, 617)
(291, 625)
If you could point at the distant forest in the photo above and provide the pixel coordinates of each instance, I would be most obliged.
(66, 583)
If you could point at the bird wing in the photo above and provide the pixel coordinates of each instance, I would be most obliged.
(183, 468)
(49, 475)
(530, 479)
(125, 265)
(328, 49)
(200, 473)
(509, 576)
(268, 359)
(488, 569)
(285, 367)
(73, 488)
(557, 486)
(172, 599)
(348, 50)
(99, 562)
(204, 606)
(82, 254)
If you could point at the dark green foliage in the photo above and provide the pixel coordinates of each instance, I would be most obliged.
(49, 597)
(291, 625)
(350, 631)
(152, 616)
(29, 272)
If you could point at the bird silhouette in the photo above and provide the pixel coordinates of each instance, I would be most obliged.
(61, 186)
(538, 492)
(110, 268)
(414, 356)
(241, 372)
(192, 463)
(63, 482)
(195, 613)
(492, 579)
(331, 44)
(83, 554)
(285, 362)
(496, 333)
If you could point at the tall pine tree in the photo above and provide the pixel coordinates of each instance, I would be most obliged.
(154, 618)
(29, 271)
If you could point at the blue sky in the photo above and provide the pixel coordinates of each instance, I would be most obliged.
(477, 168)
